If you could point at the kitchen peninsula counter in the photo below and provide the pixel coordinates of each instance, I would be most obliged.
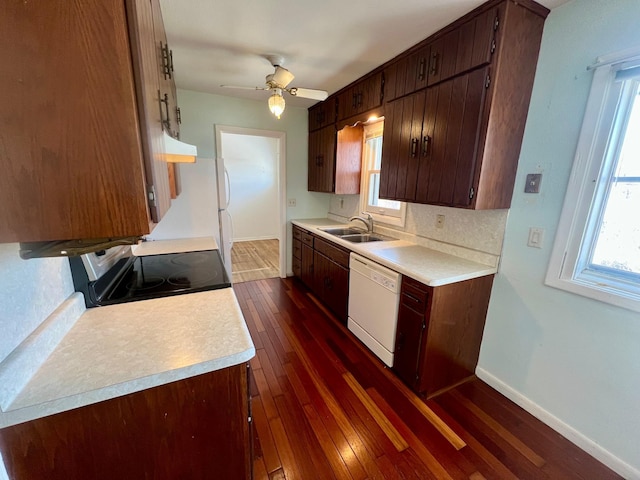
(427, 265)
(119, 349)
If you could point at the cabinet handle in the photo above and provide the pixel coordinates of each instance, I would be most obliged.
(354, 101)
(414, 147)
(178, 115)
(434, 63)
(360, 99)
(167, 60)
(422, 69)
(164, 119)
(426, 142)
(400, 341)
(411, 297)
(319, 160)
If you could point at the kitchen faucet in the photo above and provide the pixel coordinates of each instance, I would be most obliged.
(367, 221)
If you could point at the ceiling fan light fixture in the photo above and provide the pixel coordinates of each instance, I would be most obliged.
(276, 103)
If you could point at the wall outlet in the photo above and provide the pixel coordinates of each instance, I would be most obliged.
(439, 221)
(291, 202)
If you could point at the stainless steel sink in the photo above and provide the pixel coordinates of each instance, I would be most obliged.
(362, 238)
(339, 232)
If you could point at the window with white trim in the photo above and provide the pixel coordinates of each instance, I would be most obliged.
(385, 211)
(597, 248)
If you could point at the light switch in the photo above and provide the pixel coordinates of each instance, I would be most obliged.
(535, 237)
(533, 183)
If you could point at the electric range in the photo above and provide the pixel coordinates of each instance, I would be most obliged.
(118, 276)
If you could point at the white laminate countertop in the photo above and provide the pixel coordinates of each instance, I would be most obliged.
(178, 245)
(431, 267)
(120, 349)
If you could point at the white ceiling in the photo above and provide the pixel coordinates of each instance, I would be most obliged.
(326, 44)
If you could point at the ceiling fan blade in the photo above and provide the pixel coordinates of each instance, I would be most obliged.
(244, 88)
(308, 93)
(282, 77)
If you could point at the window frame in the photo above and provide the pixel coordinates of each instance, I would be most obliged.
(380, 214)
(569, 267)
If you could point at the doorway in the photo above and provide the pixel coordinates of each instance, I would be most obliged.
(255, 162)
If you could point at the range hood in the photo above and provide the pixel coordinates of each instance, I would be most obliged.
(176, 151)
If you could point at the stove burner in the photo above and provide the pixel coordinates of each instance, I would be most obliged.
(153, 276)
(190, 259)
(192, 278)
(144, 283)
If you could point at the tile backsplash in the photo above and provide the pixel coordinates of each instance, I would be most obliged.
(479, 233)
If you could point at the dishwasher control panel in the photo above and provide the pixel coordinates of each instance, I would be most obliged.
(384, 281)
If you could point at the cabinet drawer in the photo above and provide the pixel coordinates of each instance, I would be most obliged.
(306, 238)
(335, 253)
(297, 233)
(414, 294)
(297, 249)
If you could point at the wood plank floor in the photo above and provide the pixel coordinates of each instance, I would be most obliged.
(255, 260)
(325, 408)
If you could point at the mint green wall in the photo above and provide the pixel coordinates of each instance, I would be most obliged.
(576, 358)
(201, 111)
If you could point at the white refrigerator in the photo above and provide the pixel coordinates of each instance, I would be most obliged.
(225, 221)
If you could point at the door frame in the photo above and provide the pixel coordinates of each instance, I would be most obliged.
(281, 137)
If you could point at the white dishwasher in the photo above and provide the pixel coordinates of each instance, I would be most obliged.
(374, 293)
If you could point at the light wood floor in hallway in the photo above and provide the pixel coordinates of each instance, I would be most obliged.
(255, 260)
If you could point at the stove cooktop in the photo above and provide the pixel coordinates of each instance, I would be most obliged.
(153, 276)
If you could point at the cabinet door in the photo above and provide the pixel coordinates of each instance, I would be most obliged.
(453, 124)
(331, 285)
(72, 161)
(361, 97)
(477, 40)
(337, 291)
(411, 328)
(307, 266)
(417, 74)
(322, 159)
(401, 147)
(322, 114)
(394, 80)
(370, 91)
(442, 60)
(146, 54)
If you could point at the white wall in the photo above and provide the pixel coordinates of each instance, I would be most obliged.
(200, 112)
(573, 358)
(194, 213)
(252, 164)
(29, 291)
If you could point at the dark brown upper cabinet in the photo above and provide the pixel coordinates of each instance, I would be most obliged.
(322, 114)
(335, 159)
(80, 126)
(455, 106)
(466, 144)
(361, 97)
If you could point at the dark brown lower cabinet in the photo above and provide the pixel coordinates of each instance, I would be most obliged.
(197, 428)
(324, 268)
(332, 285)
(439, 333)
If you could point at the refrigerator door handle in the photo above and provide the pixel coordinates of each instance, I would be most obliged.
(230, 229)
(228, 186)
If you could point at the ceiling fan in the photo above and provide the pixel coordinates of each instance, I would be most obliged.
(278, 82)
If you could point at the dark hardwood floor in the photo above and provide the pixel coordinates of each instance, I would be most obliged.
(324, 408)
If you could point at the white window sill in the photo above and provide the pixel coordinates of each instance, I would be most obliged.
(602, 291)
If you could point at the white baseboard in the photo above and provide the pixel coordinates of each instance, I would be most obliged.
(253, 239)
(567, 431)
